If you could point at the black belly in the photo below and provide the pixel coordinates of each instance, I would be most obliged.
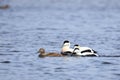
(67, 53)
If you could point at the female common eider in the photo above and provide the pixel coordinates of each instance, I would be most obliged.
(84, 51)
(51, 54)
(4, 7)
(66, 50)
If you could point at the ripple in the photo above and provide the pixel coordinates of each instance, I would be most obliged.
(5, 62)
(106, 62)
(59, 69)
(5, 32)
(47, 73)
(15, 51)
(117, 74)
(5, 54)
(109, 56)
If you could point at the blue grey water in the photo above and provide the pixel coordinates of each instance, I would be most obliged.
(31, 24)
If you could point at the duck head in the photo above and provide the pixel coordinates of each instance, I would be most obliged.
(41, 51)
(76, 46)
(66, 43)
(76, 50)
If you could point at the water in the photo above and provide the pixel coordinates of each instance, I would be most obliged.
(31, 24)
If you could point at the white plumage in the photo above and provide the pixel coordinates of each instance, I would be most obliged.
(84, 51)
(66, 48)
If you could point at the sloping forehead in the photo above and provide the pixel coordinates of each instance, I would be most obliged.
(41, 49)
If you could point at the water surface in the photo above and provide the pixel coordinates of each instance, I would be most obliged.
(29, 25)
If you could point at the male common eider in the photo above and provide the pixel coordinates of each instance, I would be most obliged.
(84, 51)
(51, 54)
(66, 50)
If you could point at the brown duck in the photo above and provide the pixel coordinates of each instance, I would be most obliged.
(50, 54)
(4, 7)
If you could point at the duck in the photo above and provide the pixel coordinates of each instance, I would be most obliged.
(66, 50)
(4, 7)
(42, 53)
(83, 51)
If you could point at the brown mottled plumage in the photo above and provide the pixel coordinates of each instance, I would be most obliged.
(4, 7)
(51, 54)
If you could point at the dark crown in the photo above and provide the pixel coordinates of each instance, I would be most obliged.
(76, 45)
(66, 41)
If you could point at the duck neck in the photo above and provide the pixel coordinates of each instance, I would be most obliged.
(66, 48)
(42, 55)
